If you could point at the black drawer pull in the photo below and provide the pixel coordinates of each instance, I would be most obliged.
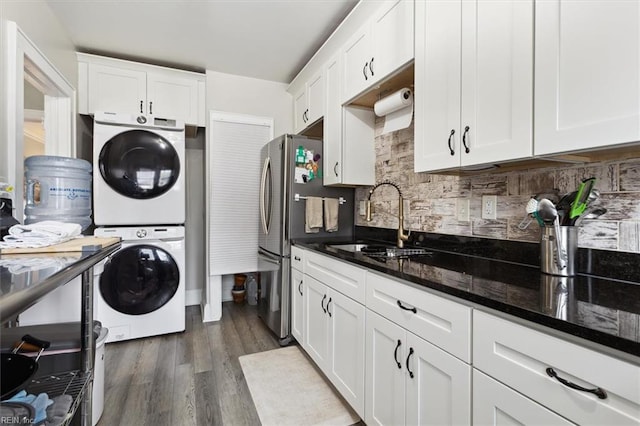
(408, 357)
(395, 354)
(296, 258)
(464, 139)
(328, 303)
(453, 132)
(300, 288)
(322, 303)
(599, 392)
(414, 310)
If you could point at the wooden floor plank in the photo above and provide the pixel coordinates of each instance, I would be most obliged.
(183, 408)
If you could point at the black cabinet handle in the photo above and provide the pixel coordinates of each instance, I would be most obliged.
(296, 258)
(395, 354)
(371, 67)
(335, 169)
(414, 310)
(150, 107)
(453, 132)
(328, 303)
(408, 357)
(300, 288)
(364, 71)
(141, 105)
(599, 392)
(464, 139)
(322, 303)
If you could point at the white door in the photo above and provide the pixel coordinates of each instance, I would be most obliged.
(297, 305)
(315, 98)
(497, 81)
(117, 90)
(300, 110)
(346, 337)
(316, 331)
(332, 123)
(437, 85)
(497, 405)
(392, 29)
(172, 97)
(387, 350)
(438, 386)
(587, 74)
(356, 57)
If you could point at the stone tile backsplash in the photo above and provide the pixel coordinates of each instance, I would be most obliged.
(431, 199)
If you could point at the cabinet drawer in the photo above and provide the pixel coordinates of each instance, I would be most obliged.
(297, 258)
(519, 357)
(442, 322)
(347, 279)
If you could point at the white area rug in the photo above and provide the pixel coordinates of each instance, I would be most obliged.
(287, 390)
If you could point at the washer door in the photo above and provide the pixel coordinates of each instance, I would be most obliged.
(139, 279)
(139, 164)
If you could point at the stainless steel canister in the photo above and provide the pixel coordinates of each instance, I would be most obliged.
(549, 250)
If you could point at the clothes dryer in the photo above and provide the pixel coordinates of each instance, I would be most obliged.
(138, 170)
(140, 289)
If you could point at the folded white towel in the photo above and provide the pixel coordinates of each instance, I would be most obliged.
(313, 215)
(331, 206)
(41, 234)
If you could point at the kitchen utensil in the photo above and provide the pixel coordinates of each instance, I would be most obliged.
(564, 206)
(580, 203)
(590, 213)
(548, 213)
(530, 208)
(17, 369)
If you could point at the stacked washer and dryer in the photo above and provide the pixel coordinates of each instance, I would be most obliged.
(139, 196)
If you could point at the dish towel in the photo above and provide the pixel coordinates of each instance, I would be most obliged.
(331, 206)
(41, 234)
(313, 215)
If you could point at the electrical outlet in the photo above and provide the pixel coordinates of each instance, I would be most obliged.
(463, 209)
(489, 206)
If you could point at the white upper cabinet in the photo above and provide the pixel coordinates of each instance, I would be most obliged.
(309, 103)
(587, 68)
(473, 83)
(113, 85)
(378, 48)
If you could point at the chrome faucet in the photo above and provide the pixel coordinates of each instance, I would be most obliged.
(402, 237)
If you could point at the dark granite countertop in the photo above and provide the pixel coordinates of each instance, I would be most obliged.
(502, 276)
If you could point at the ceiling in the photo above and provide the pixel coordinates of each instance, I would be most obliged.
(265, 39)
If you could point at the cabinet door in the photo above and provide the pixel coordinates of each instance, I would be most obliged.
(386, 351)
(316, 329)
(393, 35)
(439, 393)
(437, 85)
(315, 98)
(172, 97)
(498, 405)
(332, 124)
(118, 90)
(356, 57)
(587, 74)
(497, 81)
(346, 343)
(297, 305)
(300, 110)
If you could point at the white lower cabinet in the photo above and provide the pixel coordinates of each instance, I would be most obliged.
(297, 305)
(412, 382)
(334, 339)
(497, 405)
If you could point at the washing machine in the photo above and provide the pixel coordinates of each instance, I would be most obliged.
(140, 289)
(138, 170)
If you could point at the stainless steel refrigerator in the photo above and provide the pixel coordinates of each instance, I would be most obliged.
(291, 171)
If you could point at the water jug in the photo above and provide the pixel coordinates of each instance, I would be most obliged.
(57, 188)
(252, 290)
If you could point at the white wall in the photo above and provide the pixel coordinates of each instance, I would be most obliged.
(38, 22)
(244, 95)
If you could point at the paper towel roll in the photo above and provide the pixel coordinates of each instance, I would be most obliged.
(394, 102)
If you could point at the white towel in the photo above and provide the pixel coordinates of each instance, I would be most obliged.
(331, 206)
(313, 215)
(41, 234)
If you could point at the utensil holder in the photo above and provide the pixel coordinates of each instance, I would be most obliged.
(549, 253)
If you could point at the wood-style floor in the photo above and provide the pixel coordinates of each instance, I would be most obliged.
(190, 378)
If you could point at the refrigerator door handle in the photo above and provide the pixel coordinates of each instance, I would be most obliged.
(265, 205)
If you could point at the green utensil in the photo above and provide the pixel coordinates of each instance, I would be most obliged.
(580, 203)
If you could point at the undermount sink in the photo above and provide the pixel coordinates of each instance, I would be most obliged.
(380, 250)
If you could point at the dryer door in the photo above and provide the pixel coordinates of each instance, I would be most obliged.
(139, 279)
(139, 164)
